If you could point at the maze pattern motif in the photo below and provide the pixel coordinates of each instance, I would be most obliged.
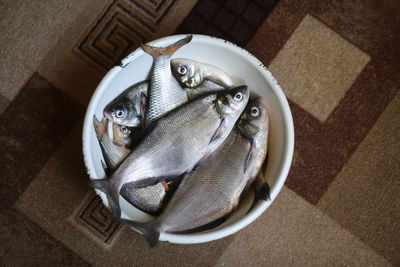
(122, 27)
(98, 219)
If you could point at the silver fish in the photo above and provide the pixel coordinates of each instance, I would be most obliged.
(128, 108)
(112, 154)
(165, 93)
(214, 190)
(179, 141)
(148, 199)
(193, 74)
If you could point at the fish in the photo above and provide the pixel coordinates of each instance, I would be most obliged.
(165, 93)
(213, 191)
(178, 142)
(148, 199)
(128, 108)
(122, 135)
(113, 154)
(192, 74)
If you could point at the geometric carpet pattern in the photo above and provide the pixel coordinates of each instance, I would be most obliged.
(336, 61)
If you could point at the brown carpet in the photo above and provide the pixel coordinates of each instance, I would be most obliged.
(337, 62)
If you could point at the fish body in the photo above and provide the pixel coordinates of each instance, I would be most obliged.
(127, 108)
(165, 93)
(179, 141)
(148, 199)
(214, 190)
(193, 74)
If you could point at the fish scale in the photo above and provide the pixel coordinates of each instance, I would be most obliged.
(199, 188)
(165, 93)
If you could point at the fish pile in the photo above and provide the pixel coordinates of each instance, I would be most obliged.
(183, 145)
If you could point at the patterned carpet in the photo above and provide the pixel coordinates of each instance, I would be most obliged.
(338, 64)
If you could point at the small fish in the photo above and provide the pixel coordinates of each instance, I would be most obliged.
(113, 154)
(128, 108)
(122, 135)
(178, 142)
(214, 190)
(192, 74)
(165, 93)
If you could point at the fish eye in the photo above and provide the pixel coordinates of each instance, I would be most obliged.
(254, 112)
(124, 129)
(182, 70)
(238, 97)
(119, 113)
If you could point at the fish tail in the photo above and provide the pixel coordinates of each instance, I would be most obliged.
(148, 229)
(112, 196)
(169, 50)
(100, 127)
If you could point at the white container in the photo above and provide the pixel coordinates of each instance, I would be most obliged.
(240, 64)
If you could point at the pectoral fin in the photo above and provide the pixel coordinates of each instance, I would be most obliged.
(218, 132)
(249, 155)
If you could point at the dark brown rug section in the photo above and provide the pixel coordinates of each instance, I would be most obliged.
(23, 243)
(31, 129)
(232, 20)
(322, 149)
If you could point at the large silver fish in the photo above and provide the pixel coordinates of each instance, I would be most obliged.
(192, 74)
(148, 199)
(128, 108)
(214, 190)
(179, 141)
(165, 93)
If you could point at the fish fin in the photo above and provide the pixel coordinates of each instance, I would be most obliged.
(169, 50)
(166, 188)
(151, 181)
(201, 161)
(148, 229)
(143, 104)
(265, 164)
(249, 156)
(100, 127)
(112, 196)
(261, 191)
(105, 157)
(218, 132)
(105, 168)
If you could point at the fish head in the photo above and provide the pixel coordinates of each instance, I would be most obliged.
(233, 101)
(122, 134)
(187, 72)
(254, 120)
(122, 111)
